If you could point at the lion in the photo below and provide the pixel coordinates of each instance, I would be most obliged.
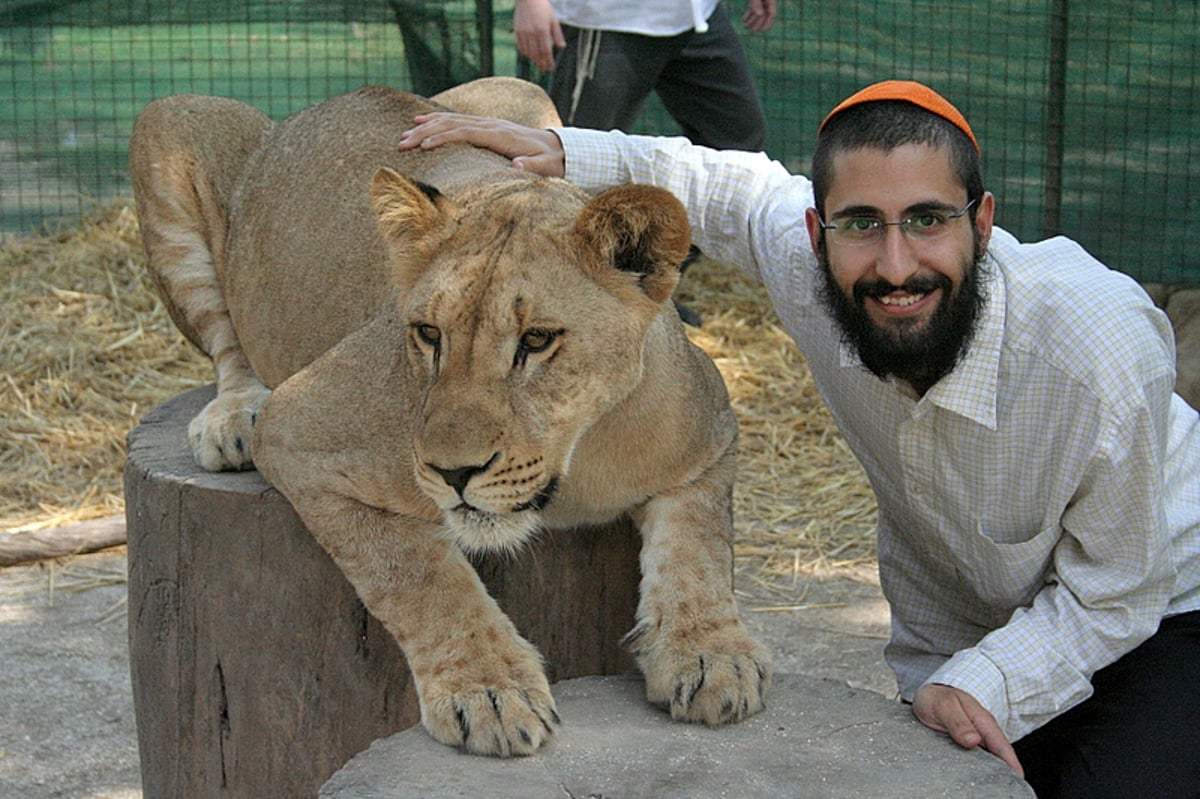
(433, 353)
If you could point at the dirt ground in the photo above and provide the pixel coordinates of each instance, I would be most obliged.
(67, 727)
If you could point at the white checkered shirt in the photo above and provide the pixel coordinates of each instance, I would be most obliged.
(1039, 508)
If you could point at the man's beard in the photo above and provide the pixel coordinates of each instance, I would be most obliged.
(920, 353)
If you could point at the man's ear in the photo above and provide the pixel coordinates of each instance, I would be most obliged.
(814, 230)
(983, 220)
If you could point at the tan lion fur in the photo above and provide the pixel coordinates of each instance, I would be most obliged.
(430, 352)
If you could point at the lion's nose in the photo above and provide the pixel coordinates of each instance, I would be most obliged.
(458, 478)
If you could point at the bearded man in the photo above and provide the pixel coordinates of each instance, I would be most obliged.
(1038, 480)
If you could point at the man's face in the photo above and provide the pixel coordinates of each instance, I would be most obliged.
(908, 306)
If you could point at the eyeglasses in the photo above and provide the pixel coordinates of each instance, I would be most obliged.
(861, 231)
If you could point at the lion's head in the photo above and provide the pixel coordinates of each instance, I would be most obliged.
(526, 307)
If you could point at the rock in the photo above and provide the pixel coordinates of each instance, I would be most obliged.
(817, 738)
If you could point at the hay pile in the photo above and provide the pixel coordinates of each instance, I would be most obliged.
(802, 503)
(86, 349)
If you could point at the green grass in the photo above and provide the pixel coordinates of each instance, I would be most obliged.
(72, 103)
(1131, 169)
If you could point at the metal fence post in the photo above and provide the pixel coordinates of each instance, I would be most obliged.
(1056, 100)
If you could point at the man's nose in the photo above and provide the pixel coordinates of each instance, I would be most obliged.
(897, 258)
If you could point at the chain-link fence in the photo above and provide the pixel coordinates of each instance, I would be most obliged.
(1086, 111)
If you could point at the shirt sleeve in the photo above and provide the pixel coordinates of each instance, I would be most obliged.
(744, 208)
(1112, 577)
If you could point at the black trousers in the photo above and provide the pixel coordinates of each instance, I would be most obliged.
(703, 79)
(1137, 736)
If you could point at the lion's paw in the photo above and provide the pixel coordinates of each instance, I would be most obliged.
(221, 433)
(504, 722)
(719, 681)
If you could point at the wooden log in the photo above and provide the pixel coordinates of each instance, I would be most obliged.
(256, 670)
(58, 542)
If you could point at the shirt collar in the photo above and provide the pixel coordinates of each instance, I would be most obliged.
(971, 389)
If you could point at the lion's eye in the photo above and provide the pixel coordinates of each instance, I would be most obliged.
(537, 340)
(534, 341)
(428, 334)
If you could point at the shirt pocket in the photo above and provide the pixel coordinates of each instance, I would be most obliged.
(1005, 576)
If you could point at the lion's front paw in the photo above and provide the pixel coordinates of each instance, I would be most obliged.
(718, 680)
(485, 691)
(221, 433)
(505, 722)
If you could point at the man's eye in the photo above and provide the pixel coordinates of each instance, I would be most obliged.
(860, 224)
(926, 222)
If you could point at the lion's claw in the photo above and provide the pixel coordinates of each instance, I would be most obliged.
(718, 682)
(221, 433)
(716, 690)
(503, 722)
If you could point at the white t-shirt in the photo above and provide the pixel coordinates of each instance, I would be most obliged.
(647, 17)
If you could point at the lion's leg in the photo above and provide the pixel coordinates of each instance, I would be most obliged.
(185, 155)
(697, 657)
(333, 439)
(480, 685)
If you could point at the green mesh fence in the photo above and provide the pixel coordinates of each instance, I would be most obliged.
(1086, 111)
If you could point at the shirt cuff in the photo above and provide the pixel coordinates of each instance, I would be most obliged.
(589, 158)
(970, 671)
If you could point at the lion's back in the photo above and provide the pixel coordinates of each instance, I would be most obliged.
(306, 262)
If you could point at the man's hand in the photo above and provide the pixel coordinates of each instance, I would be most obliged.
(538, 33)
(538, 151)
(759, 15)
(957, 713)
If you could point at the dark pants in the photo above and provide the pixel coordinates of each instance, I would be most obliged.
(703, 80)
(1138, 735)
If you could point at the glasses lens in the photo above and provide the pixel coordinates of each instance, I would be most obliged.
(925, 226)
(858, 230)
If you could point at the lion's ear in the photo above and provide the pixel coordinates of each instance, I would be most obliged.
(408, 210)
(639, 229)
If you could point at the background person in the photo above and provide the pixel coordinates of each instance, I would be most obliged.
(606, 57)
(1038, 481)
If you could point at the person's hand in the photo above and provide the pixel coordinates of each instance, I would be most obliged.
(759, 15)
(958, 714)
(538, 151)
(538, 33)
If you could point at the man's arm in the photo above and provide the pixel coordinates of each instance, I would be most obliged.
(745, 209)
(538, 151)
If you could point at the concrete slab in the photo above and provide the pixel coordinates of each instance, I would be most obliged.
(818, 738)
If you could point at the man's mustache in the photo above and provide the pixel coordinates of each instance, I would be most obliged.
(917, 285)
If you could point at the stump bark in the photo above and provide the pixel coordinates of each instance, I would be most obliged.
(257, 671)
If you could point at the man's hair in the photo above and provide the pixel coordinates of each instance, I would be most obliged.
(886, 125)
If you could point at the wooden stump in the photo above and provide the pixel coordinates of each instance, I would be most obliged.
(256, 670)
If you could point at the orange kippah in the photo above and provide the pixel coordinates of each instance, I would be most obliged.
(911, 92)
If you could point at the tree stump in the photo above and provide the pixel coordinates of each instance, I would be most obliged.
(256, 670)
